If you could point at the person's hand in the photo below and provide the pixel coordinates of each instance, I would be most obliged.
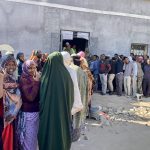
(9, 118)
(37, 76)
(1, 76)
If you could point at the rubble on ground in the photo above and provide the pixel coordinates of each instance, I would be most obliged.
(107, 114)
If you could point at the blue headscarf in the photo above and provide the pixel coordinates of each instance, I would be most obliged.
(18, 55)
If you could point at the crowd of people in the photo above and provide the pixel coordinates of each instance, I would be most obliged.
(121, 75)
(44, 100)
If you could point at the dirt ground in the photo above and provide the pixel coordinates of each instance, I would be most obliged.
(125, 134)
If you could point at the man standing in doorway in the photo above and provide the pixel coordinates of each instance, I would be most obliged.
(68, 49)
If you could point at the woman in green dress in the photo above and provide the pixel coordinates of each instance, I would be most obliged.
(56, 101)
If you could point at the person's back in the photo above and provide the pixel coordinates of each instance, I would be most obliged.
(56, 101)
(119, 66)
(104, 67)
(128, 69)
(113, 67)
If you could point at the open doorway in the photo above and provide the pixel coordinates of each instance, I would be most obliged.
(139, 49)
(78, 39)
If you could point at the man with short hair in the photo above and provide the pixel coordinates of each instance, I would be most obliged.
(104, 70)
(119, 76)
(94, 67)
(128, 73)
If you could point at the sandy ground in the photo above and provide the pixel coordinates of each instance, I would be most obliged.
(119, 135)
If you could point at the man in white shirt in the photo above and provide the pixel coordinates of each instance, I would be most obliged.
(134, 77)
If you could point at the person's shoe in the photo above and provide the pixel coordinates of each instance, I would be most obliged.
(110, 93)
(103, 94)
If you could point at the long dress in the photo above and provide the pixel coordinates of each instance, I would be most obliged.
(56, 101)
(77, 105)
(28, 121)
(12, 103)
(79, 118)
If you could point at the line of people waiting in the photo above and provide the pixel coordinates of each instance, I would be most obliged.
(44, 100)
(120, 73)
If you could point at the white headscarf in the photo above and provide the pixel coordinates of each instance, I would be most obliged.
(77, 105)
(130, 58)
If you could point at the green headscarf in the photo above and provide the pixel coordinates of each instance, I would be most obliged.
(56, 100)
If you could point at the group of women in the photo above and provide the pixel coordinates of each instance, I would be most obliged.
(43, 110)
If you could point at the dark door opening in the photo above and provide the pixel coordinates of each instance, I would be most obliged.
(80, 43)
(139, 49)
(79, 39)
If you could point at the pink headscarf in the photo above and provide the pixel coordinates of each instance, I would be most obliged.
(81, 54)
(140, 59)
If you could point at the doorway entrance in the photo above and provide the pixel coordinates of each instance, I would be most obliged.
(75, 38)
(139, 49)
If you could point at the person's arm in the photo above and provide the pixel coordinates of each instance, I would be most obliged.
(132, 69)
(29, 90)
(108, 68)
(1, 84)
(92, 66)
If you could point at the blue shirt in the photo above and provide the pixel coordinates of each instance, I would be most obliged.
(94, 67)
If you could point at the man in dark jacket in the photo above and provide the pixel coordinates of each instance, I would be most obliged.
(111, 75)
(119, 76)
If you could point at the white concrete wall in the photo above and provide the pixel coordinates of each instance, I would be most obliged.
(27, 27)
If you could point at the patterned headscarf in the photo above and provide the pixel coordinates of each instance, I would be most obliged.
(26, 66)
(6, 59)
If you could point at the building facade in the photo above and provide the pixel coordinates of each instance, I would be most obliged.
(110, 26)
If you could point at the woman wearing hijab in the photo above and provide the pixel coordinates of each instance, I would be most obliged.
(89, 88)
(11, 101)
(56, 101)
(36, 57)
(86, 69)
(82, 55)
(79, 118)
(28, 122)
(77, 105)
